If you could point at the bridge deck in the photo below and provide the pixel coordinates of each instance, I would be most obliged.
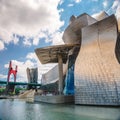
(20, 83)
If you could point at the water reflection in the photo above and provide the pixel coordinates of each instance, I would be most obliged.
(21, 110)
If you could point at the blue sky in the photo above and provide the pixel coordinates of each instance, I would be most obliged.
(29, 24)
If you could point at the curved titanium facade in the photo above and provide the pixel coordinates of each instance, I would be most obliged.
(97, 70)
(72, 34)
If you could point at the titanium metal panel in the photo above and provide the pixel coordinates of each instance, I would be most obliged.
(101, 16)
(72, 34)
(97, 71)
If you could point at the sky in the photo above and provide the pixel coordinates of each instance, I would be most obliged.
(29, 24)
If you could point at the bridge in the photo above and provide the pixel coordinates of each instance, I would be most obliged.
(20, 83)
(32, 75)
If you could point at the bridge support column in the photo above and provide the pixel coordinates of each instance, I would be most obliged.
(10, 88)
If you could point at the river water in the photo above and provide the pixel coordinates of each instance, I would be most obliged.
(22, 110)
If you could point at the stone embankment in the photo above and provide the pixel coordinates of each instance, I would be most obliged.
(27, 95)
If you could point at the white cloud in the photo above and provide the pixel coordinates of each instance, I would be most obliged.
(61, 10)
(77, 1)
(57, 38)
(105, 3)
(31, 56)
(61, 2)
(3, 76)
(15, 39)
(70, 5)
(27, 41)
(36, 40)
(28, 18)
(7, 37)
(95, 0)
(2, 47)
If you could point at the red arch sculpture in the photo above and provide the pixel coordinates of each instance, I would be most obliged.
(11, 71)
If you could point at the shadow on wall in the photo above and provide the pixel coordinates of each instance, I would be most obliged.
(117, 48)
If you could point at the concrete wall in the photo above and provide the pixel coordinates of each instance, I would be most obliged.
(55, 99)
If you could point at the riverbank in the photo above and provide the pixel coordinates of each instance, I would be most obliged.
(8, 97)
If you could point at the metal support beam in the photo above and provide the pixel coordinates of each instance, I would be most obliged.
(60, 64)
